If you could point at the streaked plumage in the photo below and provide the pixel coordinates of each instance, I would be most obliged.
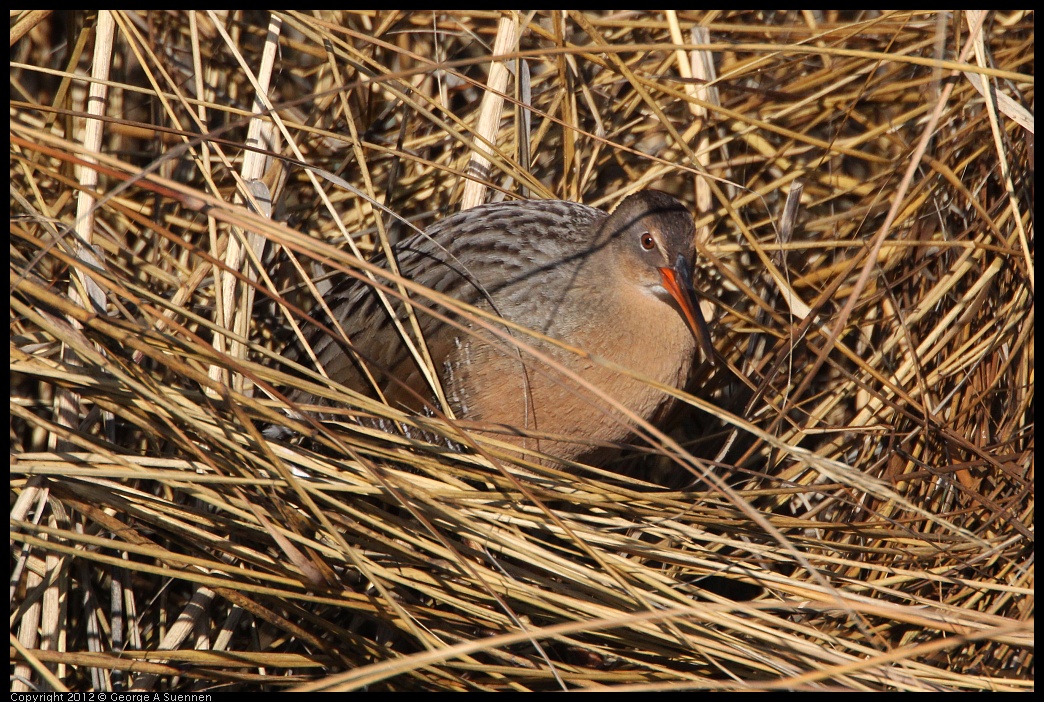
(595, 281)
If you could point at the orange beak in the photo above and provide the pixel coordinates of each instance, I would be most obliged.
(678, 281)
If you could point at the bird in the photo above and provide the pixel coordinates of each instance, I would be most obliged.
(616, 285)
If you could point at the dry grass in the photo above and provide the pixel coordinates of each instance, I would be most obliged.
(853, 505)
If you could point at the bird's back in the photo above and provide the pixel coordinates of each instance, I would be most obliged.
(519, 260)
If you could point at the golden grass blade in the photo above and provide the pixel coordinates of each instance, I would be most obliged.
(845, 502)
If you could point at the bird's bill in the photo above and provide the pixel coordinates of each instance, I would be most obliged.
(678, 282)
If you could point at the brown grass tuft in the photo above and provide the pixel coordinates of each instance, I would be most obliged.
(854, 505)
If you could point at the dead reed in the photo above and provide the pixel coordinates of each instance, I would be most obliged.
(847, 505)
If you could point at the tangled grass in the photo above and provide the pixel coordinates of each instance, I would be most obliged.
(847, 503)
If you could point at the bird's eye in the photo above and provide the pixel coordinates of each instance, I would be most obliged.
(648, 243)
